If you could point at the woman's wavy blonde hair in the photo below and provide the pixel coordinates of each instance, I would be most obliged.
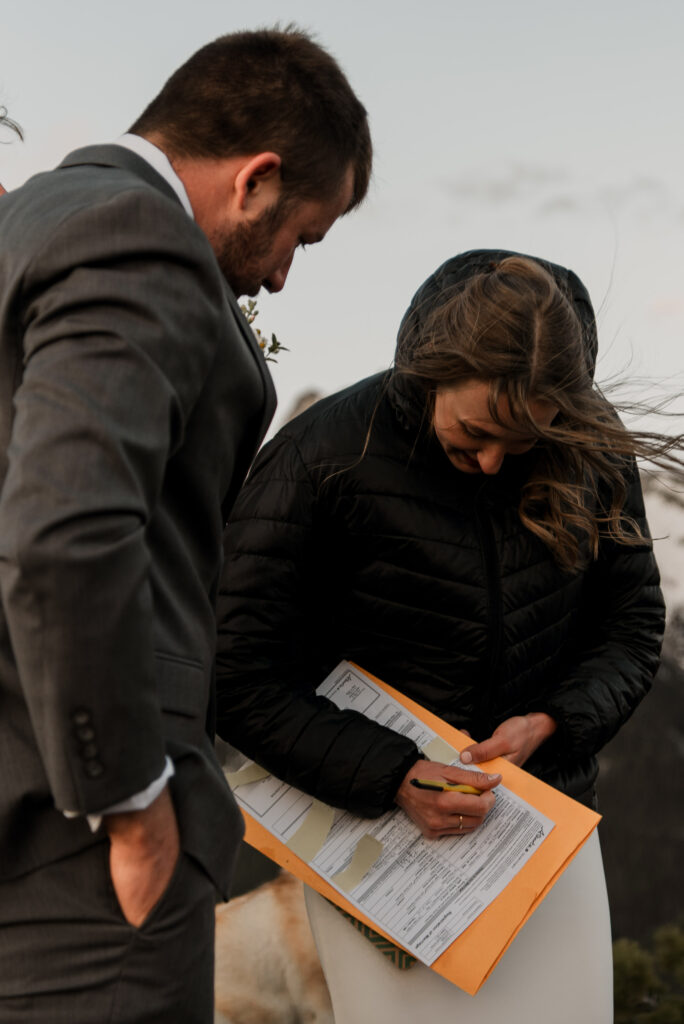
(513, 326)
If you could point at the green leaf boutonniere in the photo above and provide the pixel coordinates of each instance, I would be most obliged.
(271, 347)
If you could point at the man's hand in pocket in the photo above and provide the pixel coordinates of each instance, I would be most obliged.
(145, 846)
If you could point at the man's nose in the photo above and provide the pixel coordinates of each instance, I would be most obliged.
(278, 278)
(491, 458)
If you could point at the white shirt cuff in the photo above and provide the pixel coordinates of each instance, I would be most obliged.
(137, 802)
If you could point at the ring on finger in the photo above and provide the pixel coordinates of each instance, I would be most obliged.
(460, 823)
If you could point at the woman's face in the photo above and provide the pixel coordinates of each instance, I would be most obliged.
(472, 440)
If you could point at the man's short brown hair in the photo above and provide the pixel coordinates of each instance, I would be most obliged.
(273, 90)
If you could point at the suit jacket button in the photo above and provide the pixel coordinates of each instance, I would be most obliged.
(81, 717)
(85, 734)
(93, 769)
(90, 751)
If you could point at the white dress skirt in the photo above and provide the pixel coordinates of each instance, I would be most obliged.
(557, 970)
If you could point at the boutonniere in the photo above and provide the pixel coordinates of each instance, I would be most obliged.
(270, 347)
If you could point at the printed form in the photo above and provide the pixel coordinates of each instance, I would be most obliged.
(423, 893)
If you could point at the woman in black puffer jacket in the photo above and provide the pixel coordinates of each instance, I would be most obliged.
(470, 528)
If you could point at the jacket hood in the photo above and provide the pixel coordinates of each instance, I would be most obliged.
(404, 392)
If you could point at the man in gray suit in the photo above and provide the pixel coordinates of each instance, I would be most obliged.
(132, 400)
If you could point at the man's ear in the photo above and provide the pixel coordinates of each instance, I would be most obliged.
(257, 183)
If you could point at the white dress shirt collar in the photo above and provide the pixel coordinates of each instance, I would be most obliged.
(156, 158)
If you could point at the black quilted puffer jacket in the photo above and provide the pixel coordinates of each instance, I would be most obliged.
(426, 577)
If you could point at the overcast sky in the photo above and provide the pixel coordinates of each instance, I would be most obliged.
(547, 127)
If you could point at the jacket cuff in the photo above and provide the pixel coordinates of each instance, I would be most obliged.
(138, 802)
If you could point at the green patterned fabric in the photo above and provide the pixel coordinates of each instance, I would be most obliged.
(399, 957)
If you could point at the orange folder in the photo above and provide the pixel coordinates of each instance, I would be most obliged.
(471, 958)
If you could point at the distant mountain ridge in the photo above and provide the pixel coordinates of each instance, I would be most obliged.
(664, 498)
(641, 785)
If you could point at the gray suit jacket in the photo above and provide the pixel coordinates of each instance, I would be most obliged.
(132, 400)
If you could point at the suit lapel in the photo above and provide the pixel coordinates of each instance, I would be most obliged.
(270, 400)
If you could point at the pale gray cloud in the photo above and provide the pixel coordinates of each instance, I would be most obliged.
(516, 182)
(649, 195)
(554, 192)
(559, 204)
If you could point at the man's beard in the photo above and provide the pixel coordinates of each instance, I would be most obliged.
(243, 253)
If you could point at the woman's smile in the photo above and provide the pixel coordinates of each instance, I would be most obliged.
(472, 440)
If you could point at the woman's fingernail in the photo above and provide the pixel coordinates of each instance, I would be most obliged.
(466, 757)
(490, 777)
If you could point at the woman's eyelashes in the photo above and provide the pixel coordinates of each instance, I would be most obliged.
(476, 435)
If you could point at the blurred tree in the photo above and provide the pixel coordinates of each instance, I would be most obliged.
(649, 982)
(642, 838)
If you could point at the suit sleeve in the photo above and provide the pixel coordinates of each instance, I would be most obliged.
(119, 332)
(624, 620)
(273, 652)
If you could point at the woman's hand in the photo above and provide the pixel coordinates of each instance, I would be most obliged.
(516, 739)
(446, 814)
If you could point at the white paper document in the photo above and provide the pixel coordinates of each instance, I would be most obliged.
(421, 892)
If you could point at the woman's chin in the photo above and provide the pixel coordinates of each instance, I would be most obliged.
(465, 463)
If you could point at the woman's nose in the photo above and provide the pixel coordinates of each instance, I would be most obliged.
(491, 458)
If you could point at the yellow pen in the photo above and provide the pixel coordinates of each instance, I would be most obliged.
(445, 787)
